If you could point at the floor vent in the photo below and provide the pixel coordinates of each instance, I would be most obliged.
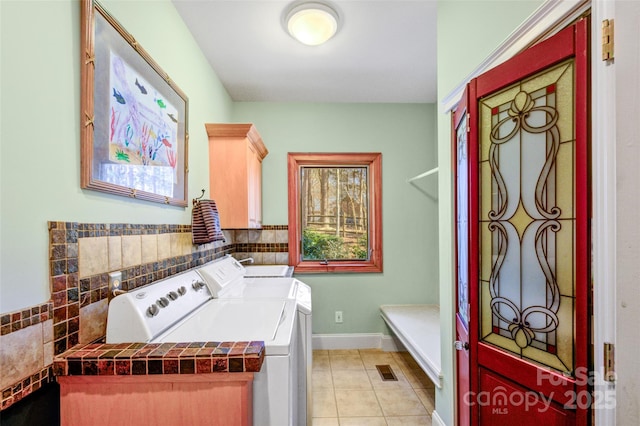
(386, 373)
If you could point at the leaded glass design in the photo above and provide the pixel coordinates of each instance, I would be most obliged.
(462, 220)
(527, 218)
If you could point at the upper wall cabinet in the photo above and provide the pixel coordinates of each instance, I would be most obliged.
(235, 174)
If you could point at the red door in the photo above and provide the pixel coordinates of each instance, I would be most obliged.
(528, 237)
(460, 157)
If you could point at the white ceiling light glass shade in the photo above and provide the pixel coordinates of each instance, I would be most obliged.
(312, 23)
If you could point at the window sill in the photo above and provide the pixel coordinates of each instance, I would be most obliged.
(337, 267)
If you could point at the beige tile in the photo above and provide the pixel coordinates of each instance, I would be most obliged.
(186, 243)
(343, 352)
(324, 404)
(174, 239)
(372, 358)
(282, 236)
(321, 362)
(268, 236)
(93, 257)
(418, 379)
(405, 361)
(378, 383)
(282, 258)
(131, 250)
(47, 355)
(254, 235)
(257, 258)
(229, 236)
(326, 421)
(345, 362)
(400, 402)
(93, 321)
(47, 331)
(322, 380)
(357, 403)
(164, 246)
(351, 379)
(362, 421)
(269, 258)
(428, 398)
(373, 351)
(21, 354)
(241, 236)
(115, 253)
(409, 421)
(318, 352)
(149, 248)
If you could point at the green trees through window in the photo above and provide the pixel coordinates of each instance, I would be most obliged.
(335, 212)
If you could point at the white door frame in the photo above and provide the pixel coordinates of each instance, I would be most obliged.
(548, 19)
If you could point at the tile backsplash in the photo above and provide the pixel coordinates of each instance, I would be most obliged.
(81, 257)
(268, 245)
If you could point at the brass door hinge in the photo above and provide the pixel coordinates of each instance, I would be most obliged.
(609, 362)
(607, 39)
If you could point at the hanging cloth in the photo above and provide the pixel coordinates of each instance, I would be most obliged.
(205, 222)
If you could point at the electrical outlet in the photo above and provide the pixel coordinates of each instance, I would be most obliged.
(339, 317)
(115, 281)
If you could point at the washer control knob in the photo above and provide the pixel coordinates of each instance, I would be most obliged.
(182, 291)
(163, 302)
(198, 285)
(153, 310)
(172, 295)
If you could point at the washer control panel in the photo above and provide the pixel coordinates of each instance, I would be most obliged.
(147, 311)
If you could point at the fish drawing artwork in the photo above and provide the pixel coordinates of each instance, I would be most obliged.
(118, 96)
(143, 127)
(141, 87)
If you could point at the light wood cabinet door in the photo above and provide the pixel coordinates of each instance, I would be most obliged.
(235, 174)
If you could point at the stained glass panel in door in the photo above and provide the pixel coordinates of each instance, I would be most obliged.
(462, 219)
(527, 218)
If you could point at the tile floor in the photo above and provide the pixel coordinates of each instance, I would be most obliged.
(348, 390)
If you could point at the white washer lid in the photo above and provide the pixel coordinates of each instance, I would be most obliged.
(238, 320)
(261, 288)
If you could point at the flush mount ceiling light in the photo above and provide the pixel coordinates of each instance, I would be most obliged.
(311, 23)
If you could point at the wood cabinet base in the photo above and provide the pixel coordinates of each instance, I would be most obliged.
(201, 399)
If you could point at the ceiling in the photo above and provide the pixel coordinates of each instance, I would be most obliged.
(384, 51)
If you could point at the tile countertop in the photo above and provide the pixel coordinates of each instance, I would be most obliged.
(103, 359)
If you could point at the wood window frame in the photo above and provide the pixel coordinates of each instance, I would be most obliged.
(372, 160)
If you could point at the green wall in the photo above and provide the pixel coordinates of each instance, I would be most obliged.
(40, 158)
(405, 135)
(468, 31)
(40, 129)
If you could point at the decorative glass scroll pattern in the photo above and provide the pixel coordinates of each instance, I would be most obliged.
(462, 220)
(527, 218)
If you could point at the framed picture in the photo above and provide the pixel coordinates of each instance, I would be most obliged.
(134, 139)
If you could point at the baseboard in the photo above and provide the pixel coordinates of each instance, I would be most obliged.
(392, 344)
(436, 420)
(357, 341)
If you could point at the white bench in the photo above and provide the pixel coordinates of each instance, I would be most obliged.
(418, 328)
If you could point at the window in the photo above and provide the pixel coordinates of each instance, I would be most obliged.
(335, 212)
